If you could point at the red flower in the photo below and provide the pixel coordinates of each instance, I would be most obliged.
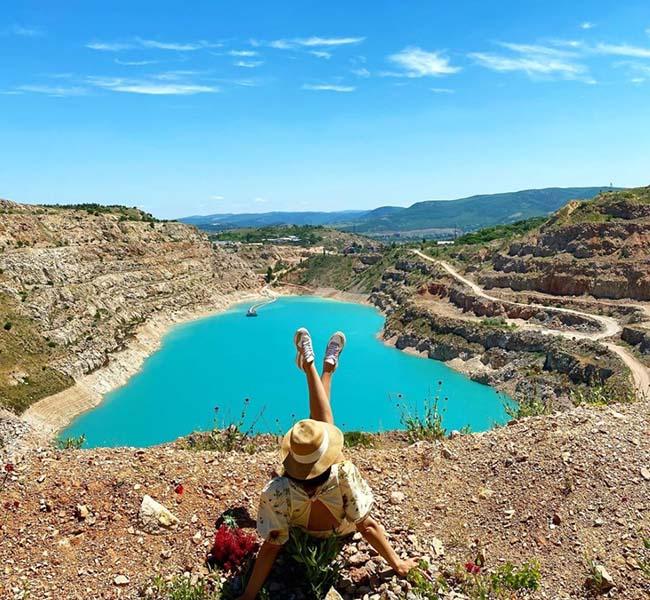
(232, 547)
(9, 468)
(472, 568)
(179, 489)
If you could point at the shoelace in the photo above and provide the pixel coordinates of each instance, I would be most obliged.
(332, 350)
(307, 349)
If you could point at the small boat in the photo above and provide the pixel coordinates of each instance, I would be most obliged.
(251, 312)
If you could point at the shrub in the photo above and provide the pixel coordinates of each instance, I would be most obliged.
(232, 437)
(424, 424)
(602, 395)
(232, 547)
(529, 406)
(354, 439)
(503, 582)
(8, 325)
(182, 588)
(319, 559)
(71, 443)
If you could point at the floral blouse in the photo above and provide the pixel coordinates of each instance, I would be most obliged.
(285, 504)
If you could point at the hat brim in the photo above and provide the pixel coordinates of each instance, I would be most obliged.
(331, 456)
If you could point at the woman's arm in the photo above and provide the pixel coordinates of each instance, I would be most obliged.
(374, 534)
(263, 563)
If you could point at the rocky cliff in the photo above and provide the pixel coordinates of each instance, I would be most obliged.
(77, 283)
(599, 247)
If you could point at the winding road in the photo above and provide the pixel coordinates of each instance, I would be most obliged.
(609, 326)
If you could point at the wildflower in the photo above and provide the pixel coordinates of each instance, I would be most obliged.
(9, 468)
(232, 547)
(179, 489)
(472, 568)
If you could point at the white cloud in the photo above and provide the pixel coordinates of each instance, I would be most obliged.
(328, 87)
(319, 41)
(419, 63)
(109, 46)
(536, 49)
(152, 45)
(151, 88)
(535, 60)
(243, 53)
(23, 31)
(311, 42)
(249, 64)
(529, 64)
(443, 91)
(260, 200)
(135, 63)
(52, 90)
(623, 50)
(321, 54)
(587, 25)
(217, 198)
(362, 72)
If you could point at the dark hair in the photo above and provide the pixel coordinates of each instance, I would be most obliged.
(314, 481)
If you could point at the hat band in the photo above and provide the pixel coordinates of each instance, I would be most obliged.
(316, 455)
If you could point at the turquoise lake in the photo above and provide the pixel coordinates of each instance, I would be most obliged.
(222, 360)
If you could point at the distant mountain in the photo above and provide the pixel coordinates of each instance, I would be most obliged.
(474, 212)
(219, 222)
(465, 214)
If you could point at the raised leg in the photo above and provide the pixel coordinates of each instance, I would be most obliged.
(320, 408)
(326, 379)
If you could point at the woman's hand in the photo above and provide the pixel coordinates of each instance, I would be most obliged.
(404, 567)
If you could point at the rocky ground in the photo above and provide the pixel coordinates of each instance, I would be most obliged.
(563, 490)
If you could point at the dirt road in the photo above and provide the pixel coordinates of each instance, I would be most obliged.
(609, 326)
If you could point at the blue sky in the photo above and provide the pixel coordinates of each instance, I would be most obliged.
(211, 106)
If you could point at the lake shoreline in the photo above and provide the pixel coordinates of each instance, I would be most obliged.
(52, 414)
(49, 415)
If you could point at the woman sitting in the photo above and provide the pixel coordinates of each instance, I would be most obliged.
(319, 491)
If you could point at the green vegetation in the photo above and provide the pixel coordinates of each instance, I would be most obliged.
(474, 212)
(318, 559)
(126, 213)
(307, 235)
(499, 232)
(358, 439)
(424, 423)
(182, 588)
(25, 358)
(530, 406)
(497, 323)
(603, 394)
(71, 443)
(229, 437)
(473, 581)
(338, 271)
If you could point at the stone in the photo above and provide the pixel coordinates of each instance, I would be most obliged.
(397, 497)
(645, 473)
(83, 512)
(600, 581)
(121, 580)
(437, 546)
(154, 516)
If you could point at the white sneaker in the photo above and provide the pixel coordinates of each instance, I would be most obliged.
(334, 348)
(304, 347)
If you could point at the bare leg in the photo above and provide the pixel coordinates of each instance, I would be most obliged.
(326, 378)
(320, 408)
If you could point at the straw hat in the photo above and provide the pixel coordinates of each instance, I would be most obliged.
(310, 448)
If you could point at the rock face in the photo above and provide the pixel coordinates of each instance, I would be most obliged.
(601, 248)
(86, 279)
